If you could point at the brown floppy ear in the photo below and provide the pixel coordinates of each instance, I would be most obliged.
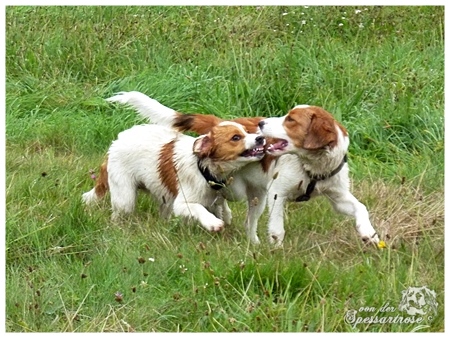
(321, 133)
(202, 146)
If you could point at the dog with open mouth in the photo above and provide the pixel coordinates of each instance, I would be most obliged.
(184, 174)
(312, 149)
(314, 162)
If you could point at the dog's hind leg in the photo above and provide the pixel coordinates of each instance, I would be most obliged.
(123, 197)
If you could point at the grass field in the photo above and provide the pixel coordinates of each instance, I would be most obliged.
(379, 70)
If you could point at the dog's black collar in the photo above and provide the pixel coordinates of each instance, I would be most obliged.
(213, 182)
(315, 178)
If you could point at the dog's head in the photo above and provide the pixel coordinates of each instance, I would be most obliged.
(303, 128)
(229, 142)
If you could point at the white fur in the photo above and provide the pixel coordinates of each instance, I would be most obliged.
(254, 185)
(148, 108)
(133, 163)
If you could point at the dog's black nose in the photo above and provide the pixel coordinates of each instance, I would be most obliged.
(261, 124)
(259, 140)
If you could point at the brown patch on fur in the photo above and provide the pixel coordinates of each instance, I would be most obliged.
(101, 185)
(166, 168)
(266, 162)
(197, 123)
(249, 123)
(312, 128)
(202, 124)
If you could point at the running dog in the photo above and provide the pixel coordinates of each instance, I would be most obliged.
(184, 174)
(313, 146)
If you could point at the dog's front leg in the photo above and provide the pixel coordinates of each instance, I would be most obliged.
(276, 217)
(226, 213)
(222, 210)
(255, 207)
(198, 212)
(347, 204)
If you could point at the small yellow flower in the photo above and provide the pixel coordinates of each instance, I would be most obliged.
(381, 244)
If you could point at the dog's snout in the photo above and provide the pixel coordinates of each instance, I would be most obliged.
(261, 124)
(259, 140)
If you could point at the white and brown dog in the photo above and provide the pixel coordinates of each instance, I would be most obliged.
(314, 162)
(313, 148)
(184, 174)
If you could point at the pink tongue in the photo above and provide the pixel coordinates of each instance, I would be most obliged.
(278, 145)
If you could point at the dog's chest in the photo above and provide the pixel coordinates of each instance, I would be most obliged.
(234, 192)
(289, 179)
(245, 182)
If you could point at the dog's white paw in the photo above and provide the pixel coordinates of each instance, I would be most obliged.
(371, 239)
(217, 227)
(276, 238)
(214, 225)
(367, 233)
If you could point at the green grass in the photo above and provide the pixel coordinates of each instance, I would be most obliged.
(381, 73)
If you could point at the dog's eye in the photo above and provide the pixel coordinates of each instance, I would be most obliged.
(236, 137)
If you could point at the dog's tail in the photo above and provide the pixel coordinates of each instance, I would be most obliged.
(101, 186)
(157, 113)
(148, 108)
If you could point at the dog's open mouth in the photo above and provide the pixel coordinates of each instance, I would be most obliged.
(257, 151)
(277, 146)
